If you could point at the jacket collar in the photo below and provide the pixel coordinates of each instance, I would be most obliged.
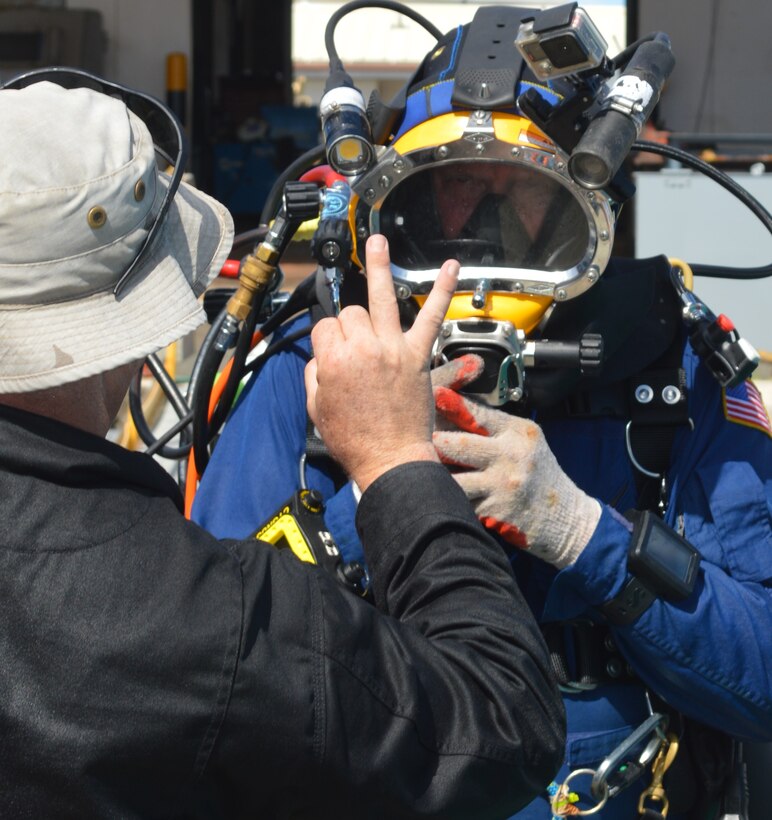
(51, 451)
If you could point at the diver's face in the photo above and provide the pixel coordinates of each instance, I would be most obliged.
(485, 213)
(461, 188)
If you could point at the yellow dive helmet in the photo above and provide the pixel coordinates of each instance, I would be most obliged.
(462, 179)
(491, 190)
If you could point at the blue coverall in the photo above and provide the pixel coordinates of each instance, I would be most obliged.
(709, 656)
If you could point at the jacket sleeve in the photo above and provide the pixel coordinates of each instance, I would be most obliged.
(709, 656)
(436, 702)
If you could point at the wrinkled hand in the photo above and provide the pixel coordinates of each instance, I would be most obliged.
(368, 387)
(514, 482)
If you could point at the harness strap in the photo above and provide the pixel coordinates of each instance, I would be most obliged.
(658, 408)
(583, 655)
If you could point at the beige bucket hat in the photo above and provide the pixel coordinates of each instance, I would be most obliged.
(79, 191)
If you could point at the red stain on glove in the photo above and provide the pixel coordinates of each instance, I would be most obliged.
(455, 410)
(469, 369)
(509, 532)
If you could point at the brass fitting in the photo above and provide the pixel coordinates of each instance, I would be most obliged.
(256, 273)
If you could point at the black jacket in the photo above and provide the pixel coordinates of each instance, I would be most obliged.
(149, 670)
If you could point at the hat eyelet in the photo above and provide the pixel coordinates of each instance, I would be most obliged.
(139, 190)
(97, 217)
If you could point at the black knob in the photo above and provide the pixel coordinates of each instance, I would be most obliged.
(331, 245)
(301, 201)
(312, 500)
(590, 352)
(355, 576)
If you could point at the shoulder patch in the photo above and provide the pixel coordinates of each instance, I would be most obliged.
(744, 404)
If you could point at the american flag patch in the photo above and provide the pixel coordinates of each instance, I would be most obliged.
(743, 404)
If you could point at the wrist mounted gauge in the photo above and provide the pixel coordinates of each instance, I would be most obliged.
(661, 565)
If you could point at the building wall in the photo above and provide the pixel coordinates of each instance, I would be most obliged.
(140, 34)
(720, 86)
(685, 215)
(723, 64)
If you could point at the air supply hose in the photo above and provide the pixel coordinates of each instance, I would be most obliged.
(164, 381)
(729, 184)
(205, 400)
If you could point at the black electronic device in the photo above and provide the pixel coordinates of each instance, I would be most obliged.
(661, 563)
(299, 526)
(659, 557)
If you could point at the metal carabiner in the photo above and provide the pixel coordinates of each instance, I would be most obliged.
(624, 765)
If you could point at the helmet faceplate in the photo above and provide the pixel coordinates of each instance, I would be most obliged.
(491, 190)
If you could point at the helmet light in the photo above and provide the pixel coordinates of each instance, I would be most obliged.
(346, 131)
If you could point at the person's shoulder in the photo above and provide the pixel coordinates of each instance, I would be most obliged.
(293, 326)
(291, 340)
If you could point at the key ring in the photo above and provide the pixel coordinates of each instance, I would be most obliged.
(560, 805)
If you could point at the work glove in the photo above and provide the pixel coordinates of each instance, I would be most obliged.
(513, 480)
(457, 373)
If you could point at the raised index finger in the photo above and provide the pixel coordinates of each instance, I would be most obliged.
(382, 302)
(423, 333)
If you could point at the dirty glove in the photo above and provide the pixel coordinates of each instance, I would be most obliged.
(514, 482)
(458, 372)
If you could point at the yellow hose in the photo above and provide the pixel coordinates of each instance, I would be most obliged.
(686, 272)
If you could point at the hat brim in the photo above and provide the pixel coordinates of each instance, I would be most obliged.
(45, 346)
